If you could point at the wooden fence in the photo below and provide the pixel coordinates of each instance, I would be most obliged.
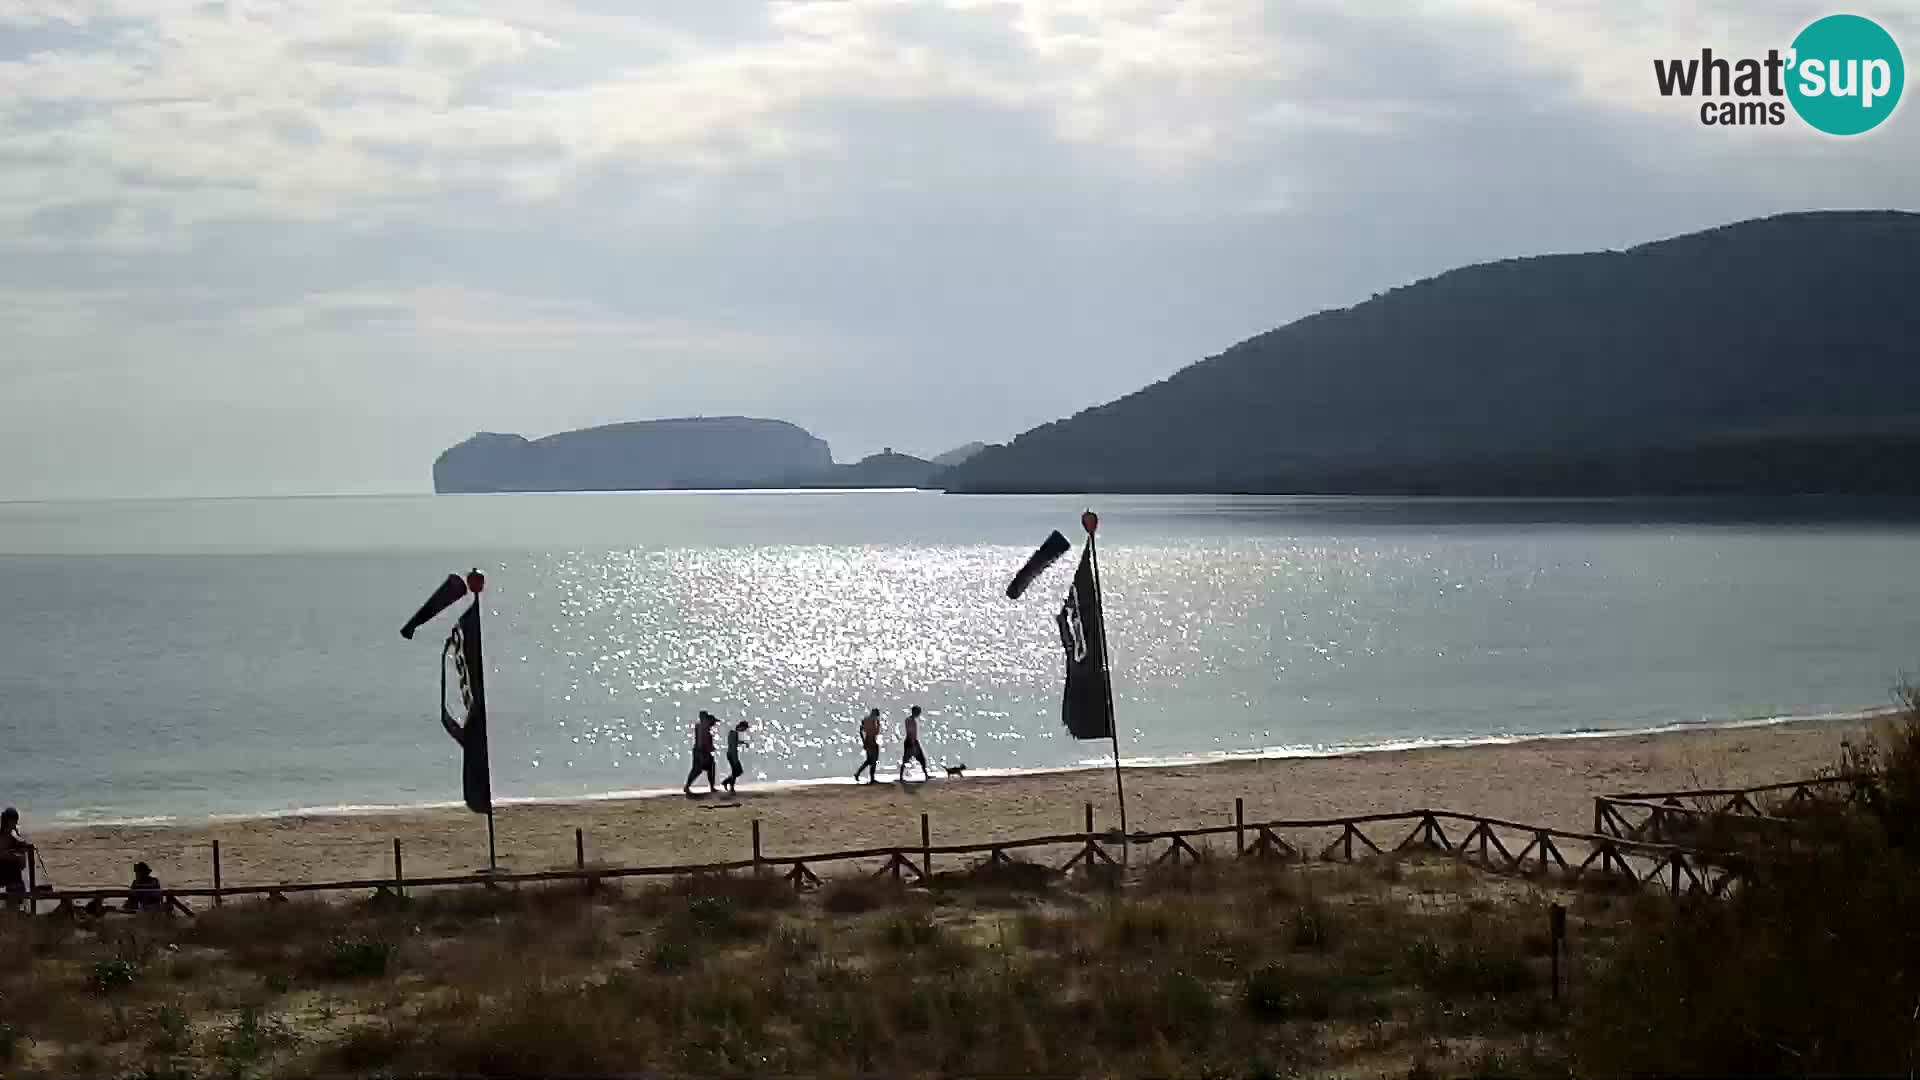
(1685, 816)
(1491, 843)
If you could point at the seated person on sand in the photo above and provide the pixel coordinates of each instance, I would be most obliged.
(146, 891)
(146, 894)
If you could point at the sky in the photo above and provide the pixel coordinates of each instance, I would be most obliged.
(257, 248)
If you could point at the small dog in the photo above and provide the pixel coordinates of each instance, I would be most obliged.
(956, 770)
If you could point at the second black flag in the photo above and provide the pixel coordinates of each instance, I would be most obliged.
(1087, 707)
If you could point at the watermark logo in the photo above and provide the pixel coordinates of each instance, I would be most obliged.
(1842, 75)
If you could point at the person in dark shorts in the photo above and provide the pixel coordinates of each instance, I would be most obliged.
(14, 853)
(870, 741)
(910, 745)
(702, 751)
(736, 738)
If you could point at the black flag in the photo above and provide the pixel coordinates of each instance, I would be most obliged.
(1087, 707)
(462, 649)
(1052, 548)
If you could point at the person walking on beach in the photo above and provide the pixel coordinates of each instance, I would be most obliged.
(910, 745)
(702, 752)
(870, 740)
(736, 738)
(14, 853)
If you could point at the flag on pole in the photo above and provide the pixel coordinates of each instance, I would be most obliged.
(462, 649)
(1087, 706)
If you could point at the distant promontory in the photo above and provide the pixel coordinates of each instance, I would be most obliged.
(689, 452)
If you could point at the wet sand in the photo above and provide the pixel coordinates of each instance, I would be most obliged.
(1547, 782)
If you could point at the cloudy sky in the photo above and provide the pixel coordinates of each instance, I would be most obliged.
(270, 247)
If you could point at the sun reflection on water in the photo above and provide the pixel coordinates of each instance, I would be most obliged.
(801, 640)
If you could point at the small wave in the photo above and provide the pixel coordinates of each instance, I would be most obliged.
(83, 816)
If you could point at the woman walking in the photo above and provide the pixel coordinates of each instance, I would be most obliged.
(736, 738)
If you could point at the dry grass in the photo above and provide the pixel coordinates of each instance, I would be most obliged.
(1229, 968)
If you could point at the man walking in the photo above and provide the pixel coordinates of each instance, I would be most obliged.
(702, 752)
(910, 745)
(870, 741)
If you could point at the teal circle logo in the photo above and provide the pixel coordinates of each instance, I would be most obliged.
(1846, 75)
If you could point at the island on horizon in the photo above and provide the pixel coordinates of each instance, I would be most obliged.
(681, 453)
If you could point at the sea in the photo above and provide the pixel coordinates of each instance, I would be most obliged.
(196, 659)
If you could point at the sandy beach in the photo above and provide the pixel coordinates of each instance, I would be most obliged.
(1547, 782)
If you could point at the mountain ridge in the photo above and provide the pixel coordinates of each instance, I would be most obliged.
(1588, 372)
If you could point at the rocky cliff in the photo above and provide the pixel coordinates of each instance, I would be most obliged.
(692, 452)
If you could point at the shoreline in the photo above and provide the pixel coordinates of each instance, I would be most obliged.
(1294, 752)
(1547, 781)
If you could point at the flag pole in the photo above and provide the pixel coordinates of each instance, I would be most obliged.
(475, 583)
(1091, 522)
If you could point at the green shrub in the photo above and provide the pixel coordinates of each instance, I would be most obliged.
(10, 1040)
(714, 913)
(108, 976)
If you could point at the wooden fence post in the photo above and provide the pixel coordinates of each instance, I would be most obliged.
(756, 845)
(1089, 821)
(926, 847)
(33, 882)
(399, 871)
(1239, 826)
(579, 848)
(216, 873)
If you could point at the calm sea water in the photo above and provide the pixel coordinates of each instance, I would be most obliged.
(194, 658)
